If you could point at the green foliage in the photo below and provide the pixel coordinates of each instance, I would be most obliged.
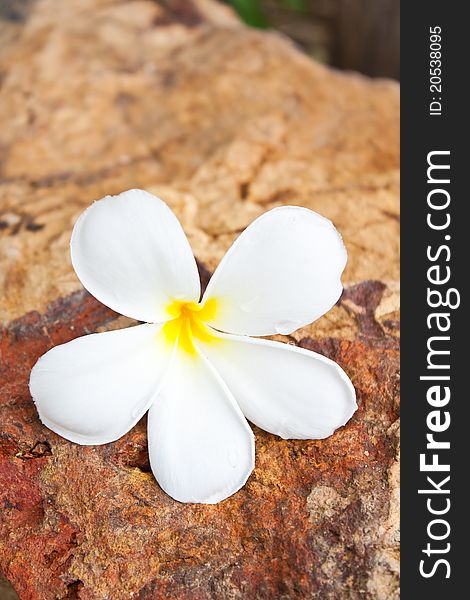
(294, 5)
(252, 12)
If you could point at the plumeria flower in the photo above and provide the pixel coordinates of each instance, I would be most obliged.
(192, 365)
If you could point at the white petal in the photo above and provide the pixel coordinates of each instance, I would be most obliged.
(289, 391)
(283, 272)
(131, 253)
(93, 389)
(201, 447)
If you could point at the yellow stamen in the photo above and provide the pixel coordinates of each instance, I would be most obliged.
(188, 323)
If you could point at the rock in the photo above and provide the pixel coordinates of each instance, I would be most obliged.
(223, 122)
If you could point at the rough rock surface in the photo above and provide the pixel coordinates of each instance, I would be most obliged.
(224, 123)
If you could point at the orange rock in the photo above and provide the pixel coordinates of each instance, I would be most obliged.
(316, 517)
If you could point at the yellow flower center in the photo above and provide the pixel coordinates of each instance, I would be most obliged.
(188, 323)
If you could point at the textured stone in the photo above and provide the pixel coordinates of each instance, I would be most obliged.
(223, 123)
(316, 519)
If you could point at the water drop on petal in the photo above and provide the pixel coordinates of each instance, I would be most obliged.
(287, 326)
(139, 409)
(248, 305)
(232, 456)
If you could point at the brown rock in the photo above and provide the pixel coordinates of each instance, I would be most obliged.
(224, 123)
(316, 519)
(221, 121)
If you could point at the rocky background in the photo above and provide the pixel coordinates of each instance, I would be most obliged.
(223, 122)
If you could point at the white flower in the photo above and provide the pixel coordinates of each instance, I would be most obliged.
(198, 383)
